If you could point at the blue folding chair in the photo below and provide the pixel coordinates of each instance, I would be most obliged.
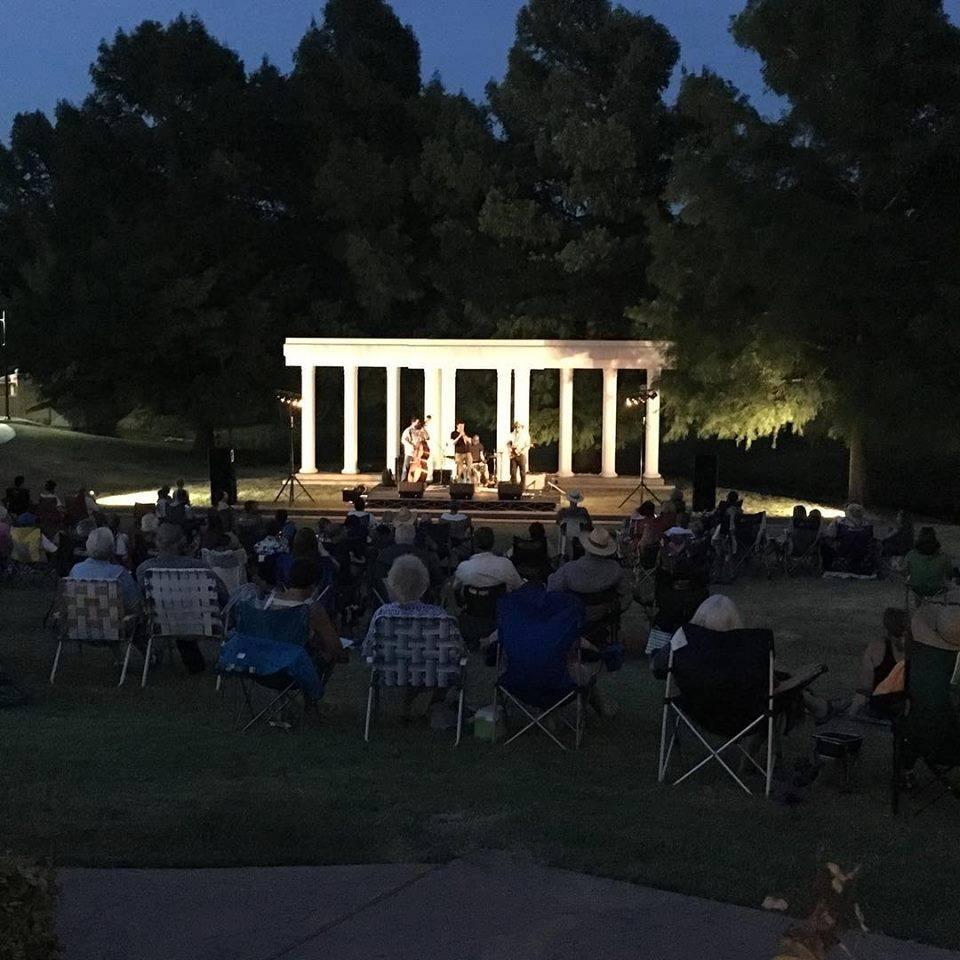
(537, 631)
(267, 647)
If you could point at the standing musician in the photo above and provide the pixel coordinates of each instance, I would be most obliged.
(461, 453)
(409, 439)
(420, 461)
(519, 446)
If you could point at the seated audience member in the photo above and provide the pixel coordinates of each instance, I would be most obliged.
(879, 660)
(303, 582)
(249, 524)
(719, 614)
(172, 554)
(597, 571)
(532, 556)
(485, 569)
(49, 498)
(681, 584)
(101, 564)
(900, 541)
(573, 520)
(122, 541)
(455, 515)
(303, 547)
(145, 539)
(6, 541)
(163, 501)
(272, 543)
(404, 544)
(799, 518)
(288, 528)
(213, 536)
(928, 569)
(359, 510)
(181, 494)
(461, 531)
(726, 512)
(407, 583)
(854, 518)
(17, 499)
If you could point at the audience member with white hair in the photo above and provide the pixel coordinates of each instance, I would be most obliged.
(101, 565)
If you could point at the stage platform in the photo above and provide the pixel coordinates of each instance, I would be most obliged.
(545, 493)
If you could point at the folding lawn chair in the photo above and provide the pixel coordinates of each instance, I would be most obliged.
(537, 631)
(928, 726)
(230, 566)
(182, 604)
(801, 549)
(414, 652)
(721, 684)
(267, 648)
(532, 559)
(855, 554)
(90, 612)
(478, 611)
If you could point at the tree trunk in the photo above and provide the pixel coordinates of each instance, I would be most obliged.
(203, 440)
(857, 471)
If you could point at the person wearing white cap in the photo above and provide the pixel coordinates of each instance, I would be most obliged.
(573, 520)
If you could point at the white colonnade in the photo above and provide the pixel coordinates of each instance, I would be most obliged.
(512, 360)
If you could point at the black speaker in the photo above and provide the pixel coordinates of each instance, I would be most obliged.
(509, 491)
(461, 491)
(223, 476)
(704, 482)
(412, 491)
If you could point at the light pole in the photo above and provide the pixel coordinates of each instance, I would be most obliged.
(639, 402)
(6, 370)
(291, 402)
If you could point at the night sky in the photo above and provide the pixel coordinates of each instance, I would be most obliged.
(46, 46)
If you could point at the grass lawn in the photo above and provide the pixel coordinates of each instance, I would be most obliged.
(94, 775)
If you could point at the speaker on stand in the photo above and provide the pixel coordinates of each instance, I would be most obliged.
(223, 475)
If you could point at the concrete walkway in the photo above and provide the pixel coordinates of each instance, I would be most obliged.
(483, 908)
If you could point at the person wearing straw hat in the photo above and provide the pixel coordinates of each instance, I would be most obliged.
(596, 571)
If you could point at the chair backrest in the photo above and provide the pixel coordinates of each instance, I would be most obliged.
(933, 722)
(803, 539)
(530, 553)
(748, 527)
(724, 676)
(854, 541)
(182, 602)
(274, 624)
(230, 566)
(459, 530)
(26, 546)
(481, 602)
(537, 630)
(416, 651)
(91, 610)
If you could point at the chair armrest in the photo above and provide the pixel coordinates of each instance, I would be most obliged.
(799, 680)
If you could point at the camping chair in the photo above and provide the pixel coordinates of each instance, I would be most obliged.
(478, 611)
(181, 604)
(267, 648)
(532, 559)
(749, 532)
(928, 726)
(801, 548)
(91, 612)
(537, 631)
(230, 566)
(721, 684)
(854, 554)
(414, 652)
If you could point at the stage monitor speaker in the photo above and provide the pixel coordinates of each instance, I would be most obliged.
(412, 491)
(442, 477)
(704, 482)
(461, 491)
(223, 476)
(509, 491)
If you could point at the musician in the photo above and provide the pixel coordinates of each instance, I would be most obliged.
(478, 458)
(409, 439)
(519, 446)
(461, 453)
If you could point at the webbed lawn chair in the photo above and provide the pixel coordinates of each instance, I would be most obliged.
(416, 653)
(91, 613)
(267, 648)
(182, 605)
(537, 632)
(230, 566)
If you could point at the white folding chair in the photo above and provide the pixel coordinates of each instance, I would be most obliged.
(182, 604)
(230, 566)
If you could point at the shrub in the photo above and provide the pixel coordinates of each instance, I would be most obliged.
(28, 899)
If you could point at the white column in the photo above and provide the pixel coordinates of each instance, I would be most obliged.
(432, 407)
(566, 422)
(393, 417)
(503, 422)
(651, 438)
(609, 445)
(521, 396)
(448, 411)
(350, 419)
(308, 419)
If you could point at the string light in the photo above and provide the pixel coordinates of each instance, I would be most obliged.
(641, 398)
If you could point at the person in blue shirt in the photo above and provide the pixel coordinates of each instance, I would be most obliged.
(101, 564)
